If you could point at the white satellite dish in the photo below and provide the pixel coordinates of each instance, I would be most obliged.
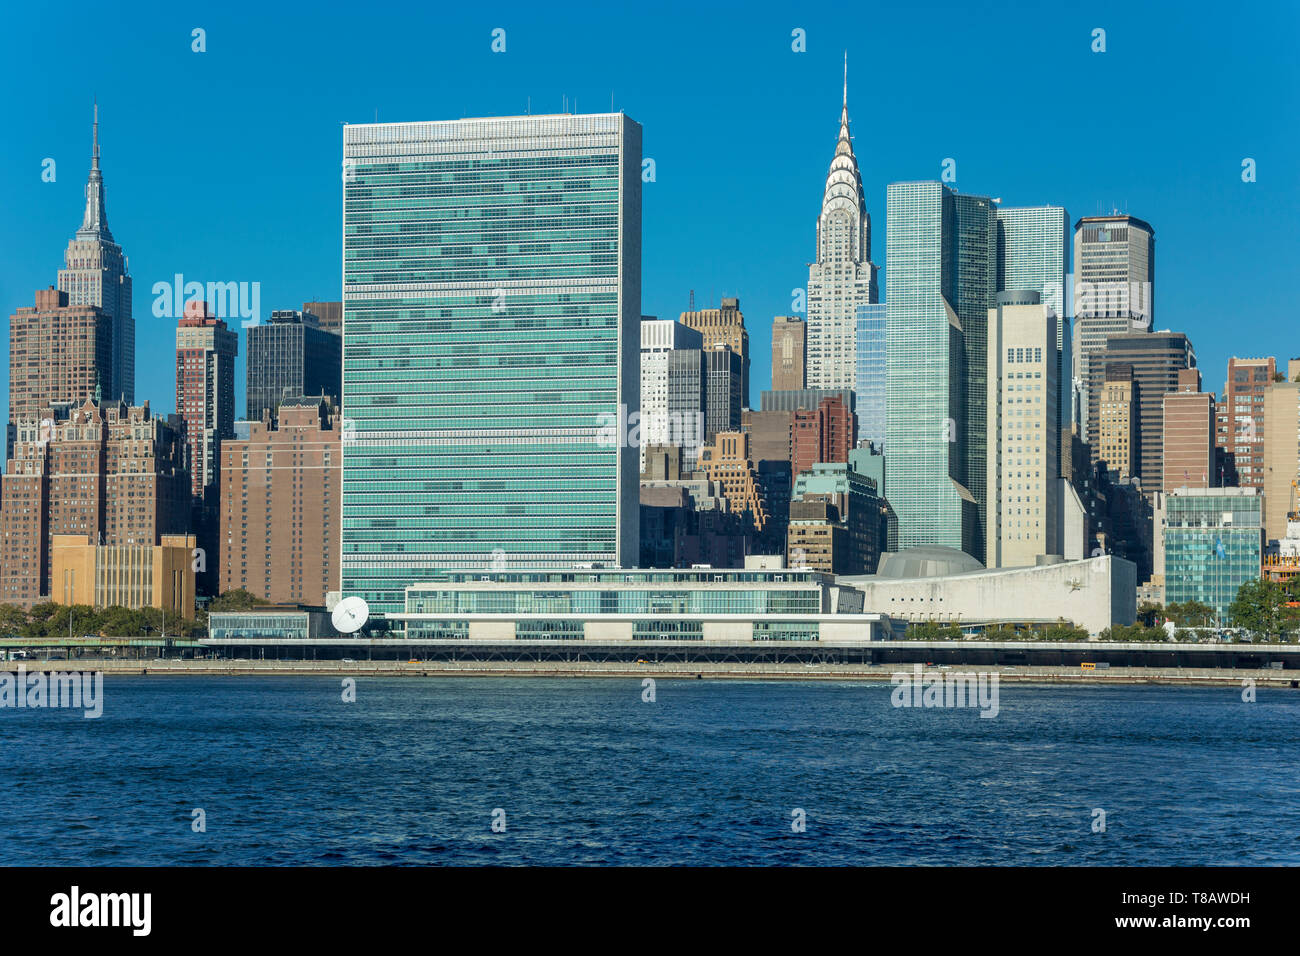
(350, 615)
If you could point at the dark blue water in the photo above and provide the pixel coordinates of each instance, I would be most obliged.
(587, 773)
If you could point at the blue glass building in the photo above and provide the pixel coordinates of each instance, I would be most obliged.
(872, 359)
(1213, 545)
(492, 307)
(941, 249)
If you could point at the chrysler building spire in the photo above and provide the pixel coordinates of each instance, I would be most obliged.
(843, 277)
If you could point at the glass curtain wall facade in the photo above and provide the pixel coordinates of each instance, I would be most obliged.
(942, 279)
(871, 381)
(1213, 543)
(492, 306)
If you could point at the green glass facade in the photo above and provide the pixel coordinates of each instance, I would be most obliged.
(491, 336)
(1213, 545)
(941, 247)
(622, 592)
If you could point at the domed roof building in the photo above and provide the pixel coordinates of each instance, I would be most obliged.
(926, 561)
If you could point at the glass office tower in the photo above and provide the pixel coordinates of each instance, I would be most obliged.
(1033, 255)
(492, 308)
(1033, 252)
(941, 249)
(871, 378)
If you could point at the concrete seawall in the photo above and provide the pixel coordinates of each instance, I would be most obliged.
(682, 671)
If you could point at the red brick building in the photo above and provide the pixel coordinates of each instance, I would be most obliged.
(280, 505)
(827, 433)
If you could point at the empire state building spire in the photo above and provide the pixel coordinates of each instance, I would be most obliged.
(95, 273)
(94, 224)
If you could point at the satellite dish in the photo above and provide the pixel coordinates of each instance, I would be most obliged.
(350, 615)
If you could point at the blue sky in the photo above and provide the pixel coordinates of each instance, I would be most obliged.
(224, 165)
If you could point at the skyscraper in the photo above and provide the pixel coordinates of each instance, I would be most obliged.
(843, 277)
(290, 357)
(941, 248)
(688, 402)
(1156, 358)
(1024, 442)
(872, 377)
(659, 338)
(492, 308)
(57, 353)
(789, 341)
(95, 273)
(724, 371)
(279, 507)
(724, 326)
(1114, 288)
(205, 390)
(1242, 412)
(826, 433)
(1281, 447)
(1119, 440)
(1189, 435)
(329, 315)
(1034, 254)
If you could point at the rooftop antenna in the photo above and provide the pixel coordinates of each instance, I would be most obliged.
(692, 300)
(530, 106)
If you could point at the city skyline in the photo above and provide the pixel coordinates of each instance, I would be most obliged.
(254, 187)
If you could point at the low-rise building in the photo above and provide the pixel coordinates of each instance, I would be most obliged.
(951, 587)
(633, 605)
(1213, 544)
(271, 623)
(133, 576)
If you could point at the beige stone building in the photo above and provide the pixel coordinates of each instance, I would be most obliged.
(1023, 469)
(1117, 421)
(125, 575)
(1281, 446)
(789, 341)
(728, 463)
(724, 326)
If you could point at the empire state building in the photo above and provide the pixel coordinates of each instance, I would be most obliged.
(843, 277)
(95, 273)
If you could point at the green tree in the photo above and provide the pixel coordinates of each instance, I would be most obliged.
(1190, 614)
(13, 620)
(38, 619)
(1063, 630)
(1150, 614)
(123, 622)
(1261, 607)
(236, 600)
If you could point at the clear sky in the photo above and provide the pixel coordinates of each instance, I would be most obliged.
(225, 165)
